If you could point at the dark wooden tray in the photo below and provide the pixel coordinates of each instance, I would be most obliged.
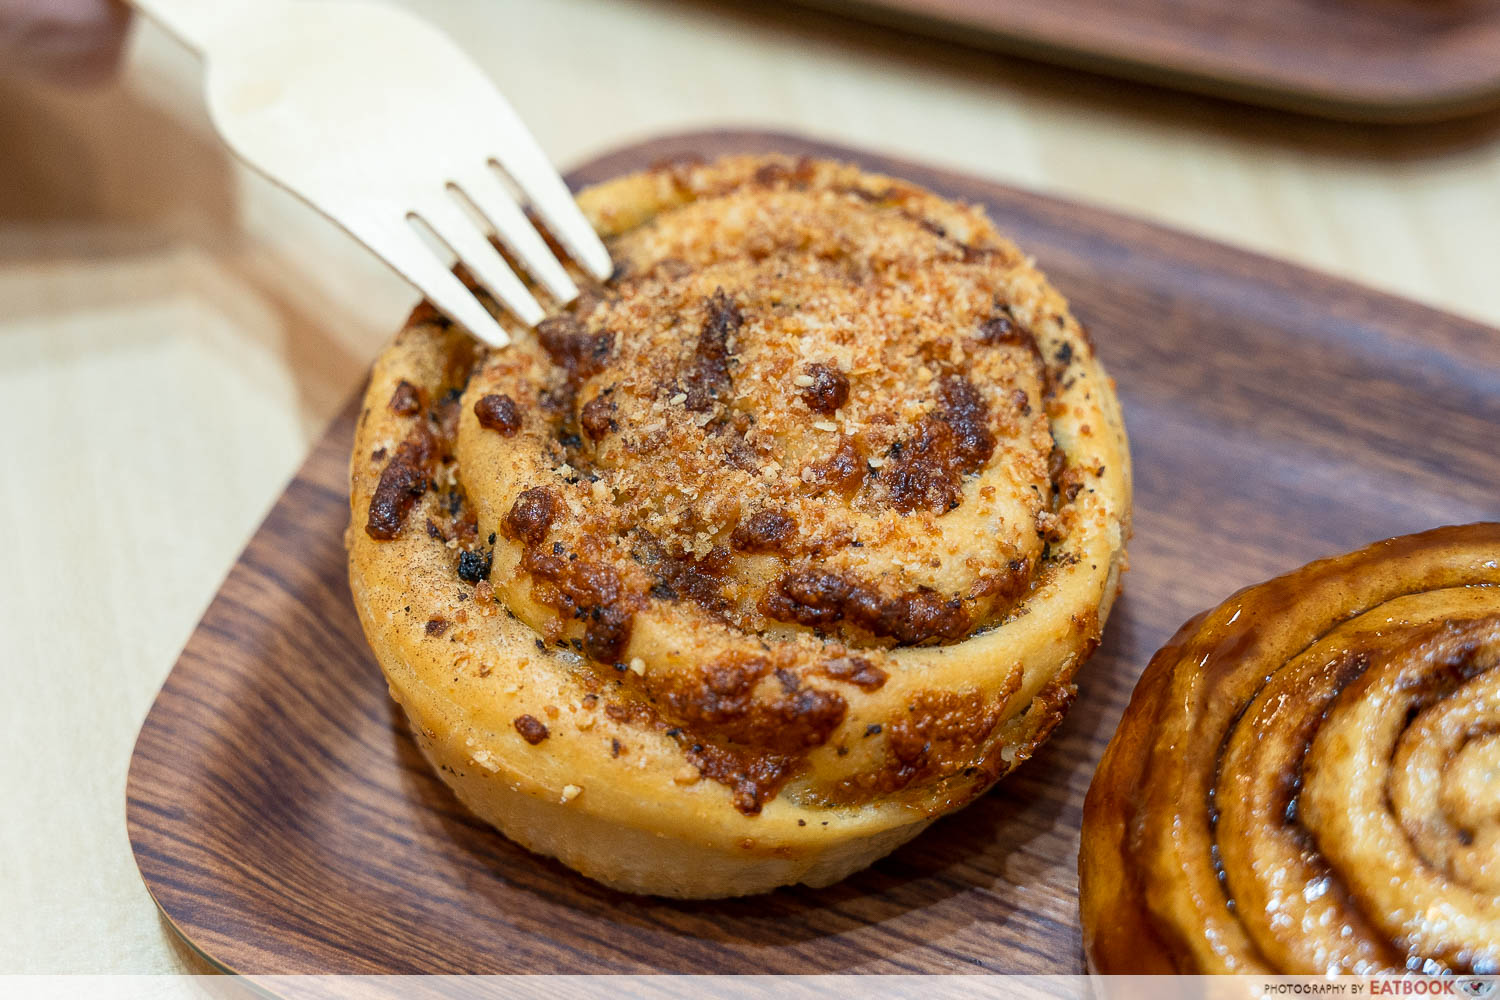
(284, 822)
(1359, 60)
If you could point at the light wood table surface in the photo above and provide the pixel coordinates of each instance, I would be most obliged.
(175, 332)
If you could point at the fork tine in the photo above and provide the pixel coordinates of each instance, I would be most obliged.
(534, 174)
(477, 254)
(484, 189)
(400, 245)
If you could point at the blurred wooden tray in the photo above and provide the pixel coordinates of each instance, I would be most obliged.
(284, 822)
(1358, 60)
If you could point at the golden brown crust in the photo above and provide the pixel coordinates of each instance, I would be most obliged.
(791, 536)
(1299, 784)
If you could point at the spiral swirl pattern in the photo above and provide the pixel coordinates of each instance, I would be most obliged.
(822, 498)
(1308, 777)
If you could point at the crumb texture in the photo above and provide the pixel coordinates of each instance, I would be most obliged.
(822, 498)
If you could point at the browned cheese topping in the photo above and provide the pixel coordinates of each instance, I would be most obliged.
(402, 483)
(801, 426)
(532, 730)
(406, 400)
(498, 413)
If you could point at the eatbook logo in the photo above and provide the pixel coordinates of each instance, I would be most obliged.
(1476, 987)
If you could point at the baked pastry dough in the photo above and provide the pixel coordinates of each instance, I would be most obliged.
(1307, 779)
(757, 559)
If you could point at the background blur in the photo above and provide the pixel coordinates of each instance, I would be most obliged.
(174, 332)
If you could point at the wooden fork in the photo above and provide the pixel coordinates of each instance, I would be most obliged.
(378, 120)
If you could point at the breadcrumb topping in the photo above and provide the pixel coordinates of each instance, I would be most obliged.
(807, 425)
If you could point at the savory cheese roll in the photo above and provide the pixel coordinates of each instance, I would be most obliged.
(748, 564)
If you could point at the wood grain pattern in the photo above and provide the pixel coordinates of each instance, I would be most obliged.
(1367, 60)
(284, 822)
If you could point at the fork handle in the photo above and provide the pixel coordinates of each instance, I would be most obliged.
(197, 23)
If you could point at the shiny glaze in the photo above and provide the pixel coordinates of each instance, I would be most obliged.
(1220, 830)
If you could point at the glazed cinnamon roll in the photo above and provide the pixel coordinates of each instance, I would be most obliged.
(1307, 779)
(756, 559)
